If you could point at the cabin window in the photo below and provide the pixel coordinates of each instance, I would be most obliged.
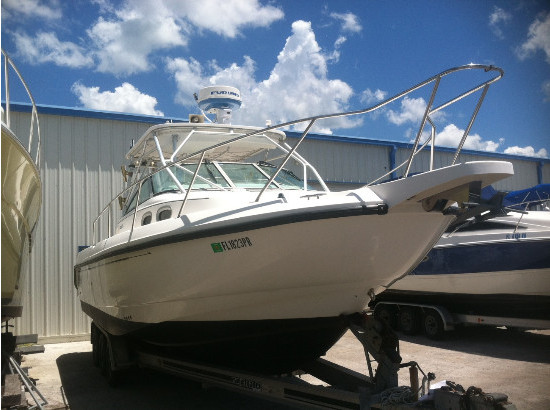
(131, 203)
(163, 182)
(165, 213)
(147, 218)
(146, 190)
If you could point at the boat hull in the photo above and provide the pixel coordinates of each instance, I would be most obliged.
(290, 270)
(509, 277)
(272, 300)
(21, 200)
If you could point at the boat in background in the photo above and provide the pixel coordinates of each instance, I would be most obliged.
(21, 198)
(536, 198)
(494, 267)
(224, 253)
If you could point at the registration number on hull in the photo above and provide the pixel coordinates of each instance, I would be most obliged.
(231, 244)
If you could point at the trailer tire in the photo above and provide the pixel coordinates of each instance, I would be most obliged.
(386, 313)
(433, 324)
(409, 320)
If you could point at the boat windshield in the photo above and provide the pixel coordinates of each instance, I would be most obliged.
(286, 179)
(213, 175)
(209, 177)
(245, 175)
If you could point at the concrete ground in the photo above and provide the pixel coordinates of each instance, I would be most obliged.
(495, 360)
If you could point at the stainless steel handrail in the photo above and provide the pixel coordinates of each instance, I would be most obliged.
(429, 111)
(34, 112)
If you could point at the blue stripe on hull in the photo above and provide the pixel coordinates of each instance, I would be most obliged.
(489, 257)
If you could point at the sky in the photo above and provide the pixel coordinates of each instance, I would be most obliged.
(294, 59)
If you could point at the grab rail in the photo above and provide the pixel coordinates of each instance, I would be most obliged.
(34, 113)
(291, 151)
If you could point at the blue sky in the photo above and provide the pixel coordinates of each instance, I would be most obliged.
(291, 59)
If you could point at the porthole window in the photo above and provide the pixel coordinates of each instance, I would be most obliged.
(163, 214)
(147, 219)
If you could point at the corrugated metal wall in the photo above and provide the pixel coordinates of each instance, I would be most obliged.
(80, 168)
(80, 172)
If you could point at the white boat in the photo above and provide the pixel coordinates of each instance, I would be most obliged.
(21, 200)
(493, 266)
(230, 257)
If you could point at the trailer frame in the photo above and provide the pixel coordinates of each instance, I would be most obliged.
(343, 388)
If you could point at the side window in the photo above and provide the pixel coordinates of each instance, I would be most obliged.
(131, 204)
(146, 219)
(164, 213)
(146, 190)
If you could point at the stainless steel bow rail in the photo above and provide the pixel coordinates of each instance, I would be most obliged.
(342, 389)
(291, 152)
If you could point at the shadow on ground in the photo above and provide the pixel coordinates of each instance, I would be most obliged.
(528, 346)
(85, 388)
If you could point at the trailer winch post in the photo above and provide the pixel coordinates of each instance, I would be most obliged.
(413, 375)
(380, 342)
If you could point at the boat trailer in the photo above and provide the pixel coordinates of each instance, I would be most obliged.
(341, 388)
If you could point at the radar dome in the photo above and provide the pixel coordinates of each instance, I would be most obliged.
(219, 97)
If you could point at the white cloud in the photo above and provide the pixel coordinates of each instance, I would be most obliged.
(297, 87)
(451, 135)
(124, 42)
(496, 19)
(125, 98)
(412, 110)
(538, 38)
(123, 46)
(188, 77)
(334, 56)
(339, 41)
(350, 22)
(528, 151)
(41, 9)
(46, 48)
(125, 36)
(225, 17)
(371, 97)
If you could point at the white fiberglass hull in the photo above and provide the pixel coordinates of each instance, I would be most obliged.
(320, 268)
(21, 200)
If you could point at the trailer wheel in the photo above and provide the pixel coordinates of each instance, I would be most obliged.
(386, 313)
(409, 321)
(433, 324)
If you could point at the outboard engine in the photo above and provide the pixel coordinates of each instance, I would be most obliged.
(220, 100)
